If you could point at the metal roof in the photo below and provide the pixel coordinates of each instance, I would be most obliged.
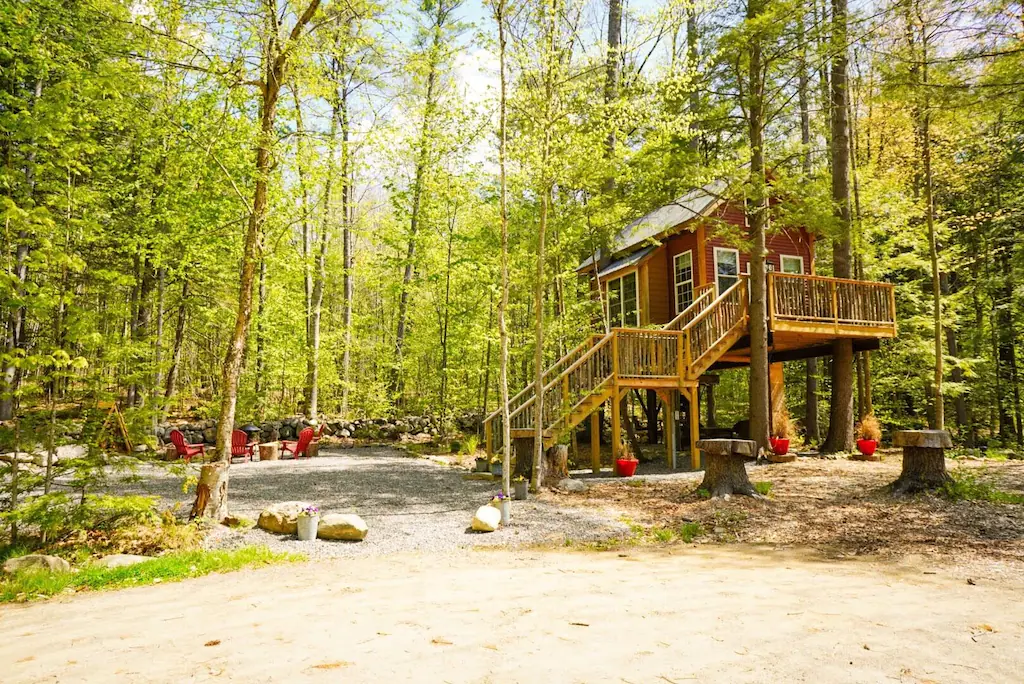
(697, 202)
(626, 262)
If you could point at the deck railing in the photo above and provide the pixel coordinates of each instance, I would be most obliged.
(840, 302)
(647, 353)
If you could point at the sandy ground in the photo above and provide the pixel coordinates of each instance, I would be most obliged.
(683, 613)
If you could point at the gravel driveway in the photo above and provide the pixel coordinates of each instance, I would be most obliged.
(409, 504)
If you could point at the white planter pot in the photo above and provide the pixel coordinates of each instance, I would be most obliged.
(307, 527)
(506, 511)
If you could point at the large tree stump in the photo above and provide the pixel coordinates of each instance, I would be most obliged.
(726, 471)
(211, 492)
(924, 460)
(555, 465)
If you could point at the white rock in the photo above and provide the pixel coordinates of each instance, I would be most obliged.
(486, 519)
(36, 561)
(346, 526)
(282, 518)
(571, 485)
(120, 560)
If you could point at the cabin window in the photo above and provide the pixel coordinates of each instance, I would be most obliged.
(623, 311)
(727, 268)
(792, 264)
(684, 280)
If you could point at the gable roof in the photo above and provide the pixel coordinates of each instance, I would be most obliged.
(696, 203)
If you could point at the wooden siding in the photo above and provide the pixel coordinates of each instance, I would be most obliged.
(659, 288)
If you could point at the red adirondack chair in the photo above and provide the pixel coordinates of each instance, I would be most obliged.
(319, 433)
(240, 446)
(186, 451)
(298, 448)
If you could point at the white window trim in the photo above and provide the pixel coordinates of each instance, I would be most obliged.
(676, 283)
(739, 269)
(636, 289)
(782, 262)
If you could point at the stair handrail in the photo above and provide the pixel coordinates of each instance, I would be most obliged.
(690, 312)
(577, 349)
(590, 352)
(688, 330)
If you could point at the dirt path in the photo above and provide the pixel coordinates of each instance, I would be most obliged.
(705, 614)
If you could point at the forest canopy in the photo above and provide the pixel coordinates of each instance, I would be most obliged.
(343, 157)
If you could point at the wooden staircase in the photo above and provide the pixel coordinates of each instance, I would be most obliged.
(604, 366)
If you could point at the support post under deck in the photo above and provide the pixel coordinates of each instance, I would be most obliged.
(595, 441)
(694, 428)
(670, 430)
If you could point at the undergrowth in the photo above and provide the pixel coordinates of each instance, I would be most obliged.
(966, 486)
(174, 567)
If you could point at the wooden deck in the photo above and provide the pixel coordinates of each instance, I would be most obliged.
(804, 312)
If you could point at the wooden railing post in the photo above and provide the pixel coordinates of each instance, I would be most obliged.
(487, 439)
(833, 287)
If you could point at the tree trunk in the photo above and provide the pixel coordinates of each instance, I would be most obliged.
(555, 466)
(613, 68)
(158, 352)
(347, 256)
(260, 387)
(923, 469)
(506, 435)
(422, 159)
(758, 220)
(179, 342)
(840, 428)
(933, 250)
(11, 378)
(211, 492)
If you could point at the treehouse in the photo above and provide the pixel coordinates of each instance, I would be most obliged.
(675, 290)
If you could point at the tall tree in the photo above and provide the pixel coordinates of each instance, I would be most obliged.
(278, 44)
(840, 426)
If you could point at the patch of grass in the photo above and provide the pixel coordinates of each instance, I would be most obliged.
(174, 567)
(763, 488)
(965, 486)
(703, 494)
(659, 534)
(634, 483)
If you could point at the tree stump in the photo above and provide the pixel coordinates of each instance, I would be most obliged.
(726, 471)
(924, 460)
(555, 465)
(211, 492)
(270, 451)
(522, 447)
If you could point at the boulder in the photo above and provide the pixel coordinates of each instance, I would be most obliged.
(486, 519)
(36, 561)
(120, 560)
(345, 526)
(344, 433)
(210, 435)
(571, 485)
(282, 518)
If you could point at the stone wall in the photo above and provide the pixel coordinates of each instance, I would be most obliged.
(421, 428)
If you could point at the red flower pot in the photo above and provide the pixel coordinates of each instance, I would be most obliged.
(626, 468)
(867, 446)
(780, 446)
(772, 441)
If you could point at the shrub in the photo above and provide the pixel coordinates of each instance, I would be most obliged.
(470, 444)
(868, 428)
(763, 488)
